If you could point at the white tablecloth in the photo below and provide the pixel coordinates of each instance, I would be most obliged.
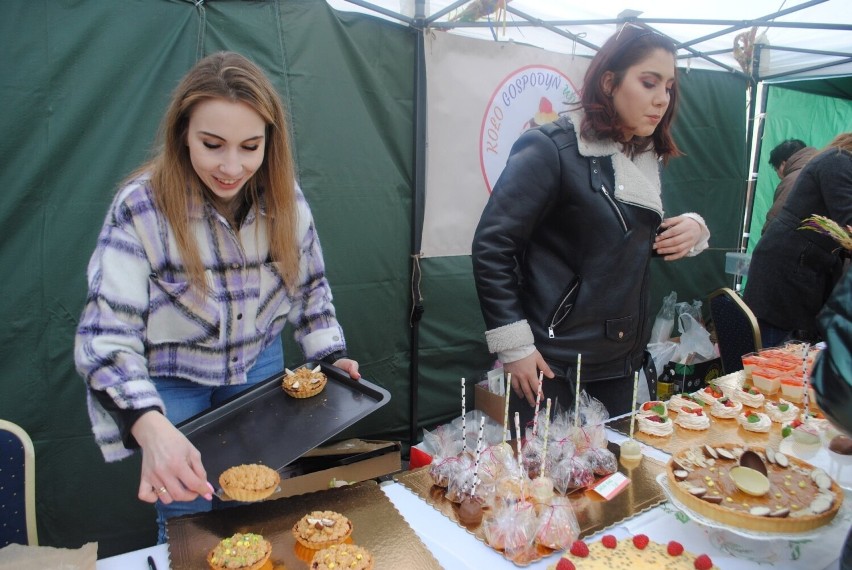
(457, 549)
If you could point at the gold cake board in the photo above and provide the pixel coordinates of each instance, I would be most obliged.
(593, 513)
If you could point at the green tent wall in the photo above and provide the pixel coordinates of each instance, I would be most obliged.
(83, 87)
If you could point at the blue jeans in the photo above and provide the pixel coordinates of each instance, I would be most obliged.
(184, 399)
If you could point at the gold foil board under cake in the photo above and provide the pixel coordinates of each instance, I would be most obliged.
(593, 513)
(377, 526)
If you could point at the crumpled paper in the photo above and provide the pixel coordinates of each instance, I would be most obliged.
(22, 557)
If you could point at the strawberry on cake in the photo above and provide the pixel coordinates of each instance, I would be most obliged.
(652, 424)
(693, 418)
(678, 401)
(636, 553)
(708, 394)
(653, 407)
(754, 421)
(726, 408)
(751, 396)
(781, 411)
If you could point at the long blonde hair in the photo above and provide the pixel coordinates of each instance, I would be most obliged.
(176, 186)
(841, 141)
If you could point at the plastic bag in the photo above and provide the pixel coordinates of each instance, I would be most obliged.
(664, 323)
(695, 344)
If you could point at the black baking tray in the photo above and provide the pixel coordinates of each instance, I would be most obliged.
(265, 425)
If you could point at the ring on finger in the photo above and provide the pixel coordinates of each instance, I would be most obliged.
(162, 490)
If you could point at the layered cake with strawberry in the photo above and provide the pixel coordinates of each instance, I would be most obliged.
(636, 553)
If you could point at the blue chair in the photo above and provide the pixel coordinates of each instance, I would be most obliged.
(17, 486)
(737, 332)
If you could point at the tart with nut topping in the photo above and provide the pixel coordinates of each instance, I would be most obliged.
(321, 529)
(794, 496)
(304, 382)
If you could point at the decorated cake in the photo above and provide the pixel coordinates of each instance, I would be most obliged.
(636, 553)
(652, 424)
(726, 408)
(796, 496)
(693, 418)
(240, 552)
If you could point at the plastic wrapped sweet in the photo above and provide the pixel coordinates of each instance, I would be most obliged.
(541, 492)
(602, 461)
(557, 524)
(531, 454)
(461, 477)
(572, 473)
(444, 470)
(512, 529)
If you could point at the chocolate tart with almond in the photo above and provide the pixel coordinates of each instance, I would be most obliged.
(798, 497)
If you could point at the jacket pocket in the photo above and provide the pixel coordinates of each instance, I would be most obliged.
(564, 307)
(178, 313)
(620, 330)
(273, 302)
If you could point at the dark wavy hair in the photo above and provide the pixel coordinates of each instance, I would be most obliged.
(629, 46)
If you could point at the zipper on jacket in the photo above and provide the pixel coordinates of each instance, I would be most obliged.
(554, 322)
(614, 206)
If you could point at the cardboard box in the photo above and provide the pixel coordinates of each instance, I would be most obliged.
(352, 460)
(493, 405)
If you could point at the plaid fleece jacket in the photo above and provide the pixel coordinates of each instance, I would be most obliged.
(142, 320)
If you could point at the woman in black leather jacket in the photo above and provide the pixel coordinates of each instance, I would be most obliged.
(562, 252)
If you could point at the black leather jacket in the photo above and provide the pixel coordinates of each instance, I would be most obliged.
(555, 247)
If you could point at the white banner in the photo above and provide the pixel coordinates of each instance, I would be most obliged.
(481, 96)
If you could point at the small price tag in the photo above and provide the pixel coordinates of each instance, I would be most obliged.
(611, 485)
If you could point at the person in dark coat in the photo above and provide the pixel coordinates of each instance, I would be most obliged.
(832, 373)
(787, 159)
(793, 271)
(561, 255)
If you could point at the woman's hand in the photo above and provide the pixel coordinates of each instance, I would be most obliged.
(678, 236)
(525, 375)
(349, 366)
(171, 466)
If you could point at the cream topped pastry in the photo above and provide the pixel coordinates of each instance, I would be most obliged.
(754, 421)
(678, 401)
(781, 411)
(751, 396)
(652, 424)
(692, 418)
(653, 407)
(802, 432)
(708, 394)
(726, 408)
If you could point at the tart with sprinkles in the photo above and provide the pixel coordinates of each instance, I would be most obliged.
(247, 551)
(634, 553)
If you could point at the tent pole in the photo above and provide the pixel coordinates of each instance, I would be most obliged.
(417, 214)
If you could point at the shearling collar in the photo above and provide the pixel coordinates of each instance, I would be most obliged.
(637, 181)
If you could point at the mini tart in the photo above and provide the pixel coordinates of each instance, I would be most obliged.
(303, 383)
(241, 552)
(321, 529)
(637, 553)
(249, 483)
(800, 498)
(342, 557)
